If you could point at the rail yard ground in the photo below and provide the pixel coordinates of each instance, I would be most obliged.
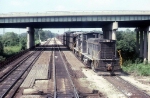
(39, 81)
(104, 86)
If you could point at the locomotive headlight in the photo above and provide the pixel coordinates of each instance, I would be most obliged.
(109, 67)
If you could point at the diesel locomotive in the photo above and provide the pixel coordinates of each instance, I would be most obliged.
(92, 49)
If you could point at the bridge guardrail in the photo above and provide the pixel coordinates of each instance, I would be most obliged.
(69, 13)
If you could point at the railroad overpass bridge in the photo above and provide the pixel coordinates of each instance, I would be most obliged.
(109, 21)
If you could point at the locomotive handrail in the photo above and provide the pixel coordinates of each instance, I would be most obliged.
(119, 51)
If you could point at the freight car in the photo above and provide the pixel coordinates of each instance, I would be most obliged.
(93, 50)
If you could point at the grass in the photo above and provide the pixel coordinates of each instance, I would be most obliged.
(137, 69)
(37, 42)
(10, 50)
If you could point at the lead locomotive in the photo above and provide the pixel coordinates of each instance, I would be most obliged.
(93, 50)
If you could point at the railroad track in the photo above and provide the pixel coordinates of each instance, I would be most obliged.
(63, 83)
(126, 88)
(11, 81)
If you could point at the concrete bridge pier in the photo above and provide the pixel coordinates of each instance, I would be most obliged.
(141, 43)
(149, 46)
(109, 31)
(144, 43)
(30, 37)
(114, 34)
(110, 34)
(145, 47)
(137, 40)
(106, 34)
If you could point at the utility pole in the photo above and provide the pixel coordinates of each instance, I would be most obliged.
(39, 34)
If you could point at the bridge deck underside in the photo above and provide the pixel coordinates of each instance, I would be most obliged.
(95, 24)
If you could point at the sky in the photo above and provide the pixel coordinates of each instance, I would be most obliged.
(43, 6)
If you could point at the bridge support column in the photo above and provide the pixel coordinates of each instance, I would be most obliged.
(30, 37)
(105, 34)
(114, 34)
(141, 43)
(109, 31)
(149, 46)
(111, 34)
(137, 41)
(145, 47)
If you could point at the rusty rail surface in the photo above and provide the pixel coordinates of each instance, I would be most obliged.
(62, 76)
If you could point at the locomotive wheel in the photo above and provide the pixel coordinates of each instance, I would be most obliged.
(93, 67)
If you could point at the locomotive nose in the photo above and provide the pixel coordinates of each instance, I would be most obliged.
(109, 67)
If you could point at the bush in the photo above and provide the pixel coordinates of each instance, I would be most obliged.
(12, 50)
(2, 58)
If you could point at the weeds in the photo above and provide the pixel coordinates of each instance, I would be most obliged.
(10, 50)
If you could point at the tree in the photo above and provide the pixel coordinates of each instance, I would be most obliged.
(126, 42)
(23, 41)
(1, 48)
(10, 39)
(1, 52)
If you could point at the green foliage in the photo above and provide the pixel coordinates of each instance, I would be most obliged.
(23, 41)
(12, 43)
(43, 35)
(1, 48)
(127, 63)
(1, 39)
(10, 39)
(2, 58)
(10, 50)
(126, 42)
(137, 69)
(37, 42)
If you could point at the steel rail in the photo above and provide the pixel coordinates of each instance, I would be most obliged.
(19, 63)
(17, 79)
(75, 91)
(54, 73)
(126, 87)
